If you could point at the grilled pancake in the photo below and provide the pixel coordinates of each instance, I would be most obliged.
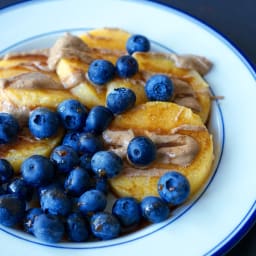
(26, 83)
(173, 128)
(164, 63)
(32, 98)
(15, 64)
(26, 145)
(110, 44)
(106, 38)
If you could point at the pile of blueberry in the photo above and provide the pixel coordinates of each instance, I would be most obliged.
(65, 196)
(159, 87)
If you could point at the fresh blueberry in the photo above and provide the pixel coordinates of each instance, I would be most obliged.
(101, 184)
(105, 226)
(71, 139)
(101, 71)
(43, 123)
(137, 43)
(19, 187)
(127, 210)
(98, 119)
(106, 164)
(77, 182)
(141, 151)
(55, 202)
(89, 143)
(65, 158)
(159, 88)
(72, 114)
(92, 201)
(48, 228)
(77, 228)
(37, 170)
(85, 162)
(174, 188)
(121, 99)
(126, 66)
(6, 171)
(9, 128)
(12, 210)
(30, 217)
(154, 209)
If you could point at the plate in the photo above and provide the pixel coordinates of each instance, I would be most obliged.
(225, 208)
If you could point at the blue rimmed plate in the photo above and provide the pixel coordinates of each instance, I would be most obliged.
(225, 208)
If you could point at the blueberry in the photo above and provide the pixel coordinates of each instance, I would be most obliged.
(105, 226)
(154, 209)
(127, 210)
(77, 182)
(141, 151)
(65, 158)
(71, 139)
(30, 217)
(12, 210)
(89, 143)
(92, 201)
(6, 171)
(72, 114)
(159, 88)
(37, 170)
(43, 123)
(77, 228)
(106, 164)
(85, 162)
(19, 187)
(101, 184)
(98, 119)
(127, 66)
(101, 71)
(48, 228)
(137, 43)
(55, 201)
(174, 188)
(9, 128)
(121, 99)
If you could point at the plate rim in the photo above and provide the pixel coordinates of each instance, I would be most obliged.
(250, 218)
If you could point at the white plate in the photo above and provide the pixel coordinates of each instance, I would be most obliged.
(224, 210)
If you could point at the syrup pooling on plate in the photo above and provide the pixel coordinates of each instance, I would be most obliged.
(94, 159)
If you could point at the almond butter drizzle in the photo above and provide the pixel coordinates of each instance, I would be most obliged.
(31, 80)
(71, 47)
(177, 149)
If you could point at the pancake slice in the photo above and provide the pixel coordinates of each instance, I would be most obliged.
(175, 127)
(26, 145)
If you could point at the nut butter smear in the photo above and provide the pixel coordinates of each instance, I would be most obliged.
(33, 80)
(70, 47)
(177, 149)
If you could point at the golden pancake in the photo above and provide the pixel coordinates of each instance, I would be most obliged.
(173, 128)
(26, 145)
